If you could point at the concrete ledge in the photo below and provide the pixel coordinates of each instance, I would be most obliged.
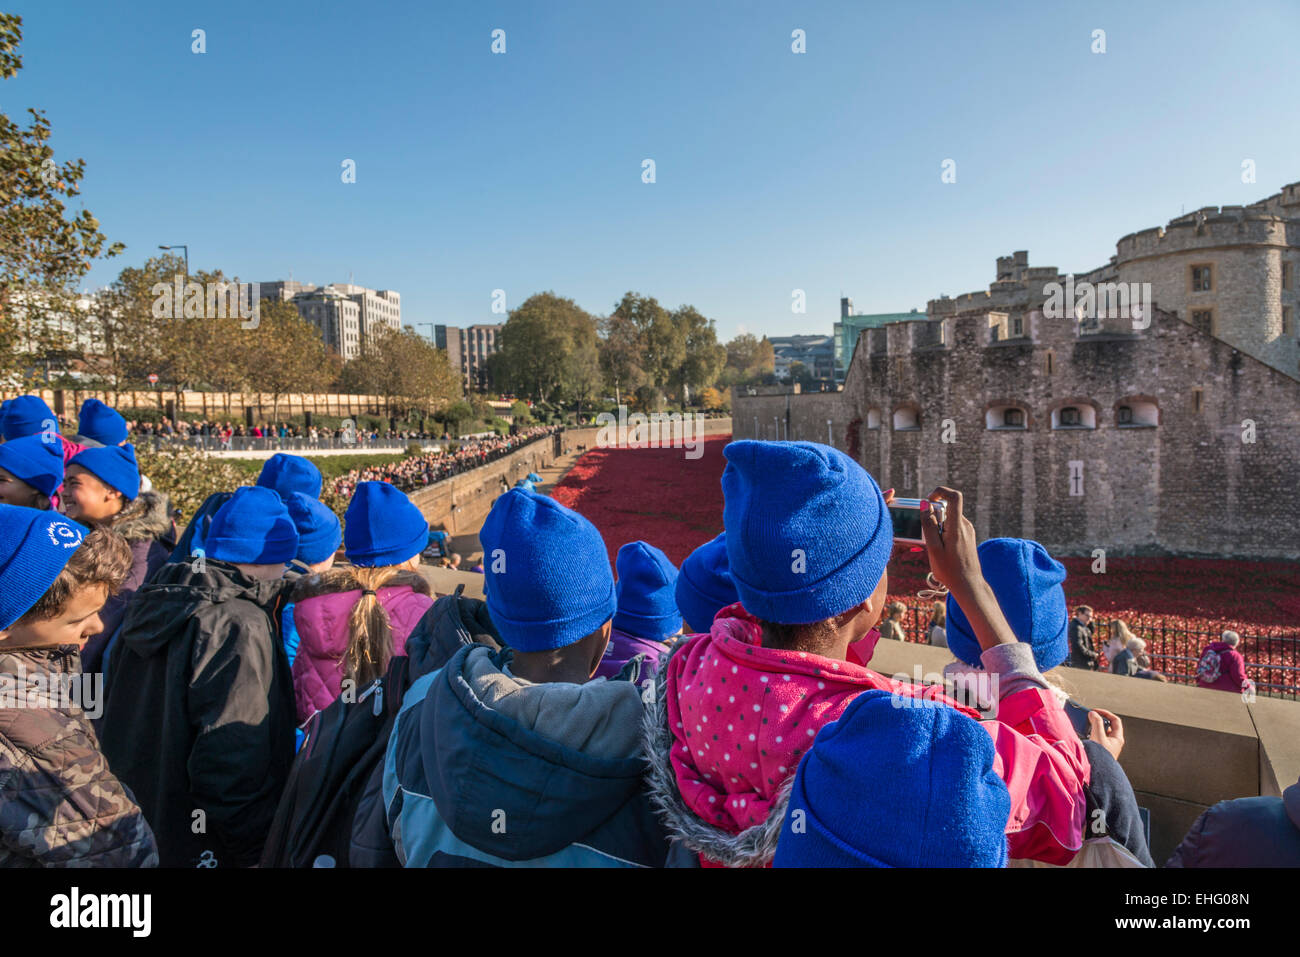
(1185, 748)
(1277, 722)
(444, 581)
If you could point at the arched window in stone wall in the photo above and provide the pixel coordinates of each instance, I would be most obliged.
(1006, 417)
(1137, 412)
(873, 418)
(907, 419)
(1079, 415)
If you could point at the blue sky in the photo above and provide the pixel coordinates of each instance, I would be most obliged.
(775, 171)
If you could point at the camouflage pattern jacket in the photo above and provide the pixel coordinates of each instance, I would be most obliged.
(60, 805)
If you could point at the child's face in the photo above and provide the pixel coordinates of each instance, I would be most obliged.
(75, 622)
(86, 499)
(14, 491)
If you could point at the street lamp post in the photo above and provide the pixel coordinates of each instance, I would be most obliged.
(187, 257)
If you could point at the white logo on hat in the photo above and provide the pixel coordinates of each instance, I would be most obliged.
(64, 535)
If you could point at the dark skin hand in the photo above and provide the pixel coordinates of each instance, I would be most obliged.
(956, 565)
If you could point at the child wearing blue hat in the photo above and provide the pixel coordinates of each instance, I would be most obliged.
(62, 806)
(319, 535)
(1026, 582)
(99, 425)
(527, 733)
(285, 474)
(200, 697)
(704, 586)
(352, 620)
(31, 470)
(646, 619)
(886, 786)
(808, 538)
(103, 488)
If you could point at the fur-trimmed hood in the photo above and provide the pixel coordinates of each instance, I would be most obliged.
(148, 516)
(753, 847)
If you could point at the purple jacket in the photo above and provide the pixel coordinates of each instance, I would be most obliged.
(623, 648)
(322, 623)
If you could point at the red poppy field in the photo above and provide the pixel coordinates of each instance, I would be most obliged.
(1177, 604)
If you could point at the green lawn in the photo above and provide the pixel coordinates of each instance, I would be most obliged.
(331, 466)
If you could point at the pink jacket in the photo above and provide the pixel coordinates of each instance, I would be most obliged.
(741, 716)
(322, 623)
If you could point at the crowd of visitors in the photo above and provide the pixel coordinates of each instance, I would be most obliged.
(421, 470)
(292, 683)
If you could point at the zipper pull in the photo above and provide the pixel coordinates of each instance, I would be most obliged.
(379, 697)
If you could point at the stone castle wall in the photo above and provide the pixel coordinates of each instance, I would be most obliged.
(1187, 485)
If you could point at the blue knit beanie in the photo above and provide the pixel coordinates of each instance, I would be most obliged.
(319, 531)
(382, 526)
(27, 415)
(114, 465)
(285, 474)
(34, 547)
(35, 461)
(888, 785)
(546, 572)
(704, 586)
(808, 533)
(646, 607)
(252, 528)
(101, 422)
(1027, 584)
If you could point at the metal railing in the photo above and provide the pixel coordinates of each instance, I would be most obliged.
(1267, 656)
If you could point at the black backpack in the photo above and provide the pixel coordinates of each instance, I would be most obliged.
(345, 744)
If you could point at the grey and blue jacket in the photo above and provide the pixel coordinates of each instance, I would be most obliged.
(486, 769)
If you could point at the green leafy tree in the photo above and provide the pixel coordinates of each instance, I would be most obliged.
(546, 348)
(662, 341)
(749, 360)
(620, 354)
(704, 356)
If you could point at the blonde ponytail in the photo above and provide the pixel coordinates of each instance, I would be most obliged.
(370, 633)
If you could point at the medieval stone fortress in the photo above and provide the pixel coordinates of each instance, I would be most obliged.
(1173, 430)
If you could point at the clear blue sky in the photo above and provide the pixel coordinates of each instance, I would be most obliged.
(775, 171)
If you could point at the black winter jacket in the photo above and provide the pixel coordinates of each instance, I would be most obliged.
(200, 716)
(1247, 832)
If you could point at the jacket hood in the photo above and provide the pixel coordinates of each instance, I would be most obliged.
(452, 623)
(554, 759)
(162, 609)
(752, 847)
(147, 516)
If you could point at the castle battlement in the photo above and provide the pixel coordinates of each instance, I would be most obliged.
(1228, 226)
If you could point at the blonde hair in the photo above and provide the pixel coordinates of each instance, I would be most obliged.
(1120, 633)
(1137, 645)
(370, 631)
(940, 611)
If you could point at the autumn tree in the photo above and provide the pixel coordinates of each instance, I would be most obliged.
(749, 359)
(282, 353)
(44, 247)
